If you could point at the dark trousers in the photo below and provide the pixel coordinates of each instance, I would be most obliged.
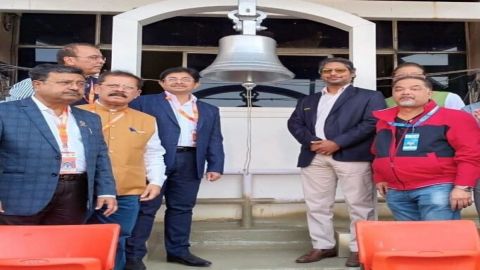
(180, 191)
(476, 196)
(68, 205)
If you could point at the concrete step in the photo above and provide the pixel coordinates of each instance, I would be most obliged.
(251, 259)
(265, 234)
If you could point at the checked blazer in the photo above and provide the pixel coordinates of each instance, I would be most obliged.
(30, 158)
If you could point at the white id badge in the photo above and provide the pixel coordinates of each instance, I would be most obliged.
(410, 142)
(69, 163)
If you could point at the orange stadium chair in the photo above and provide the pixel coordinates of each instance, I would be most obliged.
(58, 247)
(415, 245)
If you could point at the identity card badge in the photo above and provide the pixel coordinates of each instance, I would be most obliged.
(410, 142)
(69, 163)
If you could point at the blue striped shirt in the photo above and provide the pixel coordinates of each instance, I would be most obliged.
(24, 89)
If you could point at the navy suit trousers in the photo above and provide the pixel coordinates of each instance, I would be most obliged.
(180, 191)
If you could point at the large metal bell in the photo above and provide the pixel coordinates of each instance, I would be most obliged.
(247, 58)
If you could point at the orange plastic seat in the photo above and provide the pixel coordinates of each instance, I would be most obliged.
(51, 264)
(412, 245)
(63, 247)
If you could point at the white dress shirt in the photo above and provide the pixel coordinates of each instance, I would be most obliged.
(187, 127)
(153, 158)
(75, 143)
(324, 107)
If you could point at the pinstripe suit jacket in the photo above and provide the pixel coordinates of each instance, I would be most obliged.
(30, 158)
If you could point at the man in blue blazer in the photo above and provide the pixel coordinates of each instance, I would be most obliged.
(335, 128)
(53, 159)
(190, 133)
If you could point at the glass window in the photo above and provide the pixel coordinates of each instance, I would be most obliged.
(384, 69)
(187, 31)
(431, 36)
(384, 36)
(106, 26)
(433, 63)
(298, 33)
(206, 31)
(153, 63)
(33, 56)
(56, 29)
(304, 67)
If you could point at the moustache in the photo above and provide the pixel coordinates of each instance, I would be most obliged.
(73, 93)
(117, 94)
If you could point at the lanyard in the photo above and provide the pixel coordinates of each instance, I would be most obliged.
(62, 129)
(113, 121)
(193, 118)
(420, 121)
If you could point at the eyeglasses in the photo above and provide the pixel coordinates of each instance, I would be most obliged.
(122, 86)
(80, 84)
(337, 70)
(93, 57)
(183, 80)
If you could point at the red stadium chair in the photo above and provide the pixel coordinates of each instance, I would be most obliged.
(412, 245)
(79, 247)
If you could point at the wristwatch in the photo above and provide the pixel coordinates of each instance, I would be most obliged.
(464, 188)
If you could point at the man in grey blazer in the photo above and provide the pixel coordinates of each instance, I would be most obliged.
(53, 159)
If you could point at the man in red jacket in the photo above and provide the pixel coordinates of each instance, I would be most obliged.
(427, 157)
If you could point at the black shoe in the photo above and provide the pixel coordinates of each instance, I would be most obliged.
(135, 264)
(190, 260)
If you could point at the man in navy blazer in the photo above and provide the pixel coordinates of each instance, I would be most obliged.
(190, 133)
(335, 128)
(53, 159)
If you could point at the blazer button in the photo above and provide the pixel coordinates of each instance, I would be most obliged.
(58, 157)
(54, 174)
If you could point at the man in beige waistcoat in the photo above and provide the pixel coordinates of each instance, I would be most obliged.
(134, 149)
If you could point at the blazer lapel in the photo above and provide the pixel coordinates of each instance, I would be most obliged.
(201, 115)
(165, 105)
(85, 131)
(347, 93)
(33, 112)
(314, 109)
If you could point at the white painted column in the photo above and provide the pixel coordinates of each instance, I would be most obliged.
(127, 44)
(363, 55)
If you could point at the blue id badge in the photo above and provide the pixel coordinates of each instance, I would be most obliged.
(410, 142)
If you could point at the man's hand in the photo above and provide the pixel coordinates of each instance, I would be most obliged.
(460, 198)
(382, 188)
(213, 176)
(476, 114)
(315, 145)
(1, 209)
(327, 147)
(110, 202)
(150, 193)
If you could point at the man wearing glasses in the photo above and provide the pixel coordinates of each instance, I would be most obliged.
(190, 133)
(84, 56)
(335, 128)
(53, 156)
(134, 148)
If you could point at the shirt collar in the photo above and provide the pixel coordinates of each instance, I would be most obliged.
(103, 108)
(43, 107)
(324, 90)
(192, 99)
